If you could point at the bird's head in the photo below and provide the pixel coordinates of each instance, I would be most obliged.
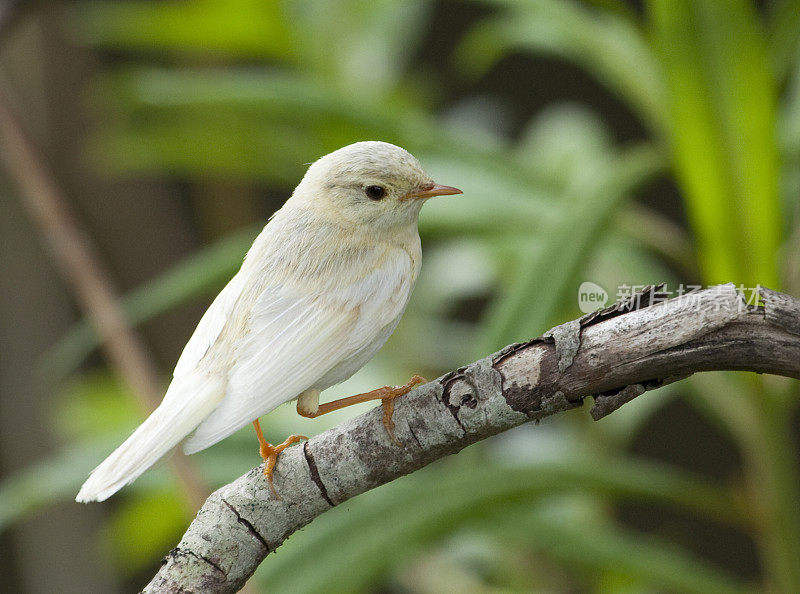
(368, 183)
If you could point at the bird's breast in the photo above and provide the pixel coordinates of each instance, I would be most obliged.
(322, 259)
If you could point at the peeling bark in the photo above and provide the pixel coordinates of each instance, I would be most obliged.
(615, 355)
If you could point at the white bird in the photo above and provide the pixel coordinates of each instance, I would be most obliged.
(320, 291)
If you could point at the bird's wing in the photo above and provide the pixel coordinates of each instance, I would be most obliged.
(210, 326)
(292, 340)
(192, 395)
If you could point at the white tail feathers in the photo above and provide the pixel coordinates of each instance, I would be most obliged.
(188, 401)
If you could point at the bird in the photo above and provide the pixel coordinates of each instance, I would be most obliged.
(319, 292)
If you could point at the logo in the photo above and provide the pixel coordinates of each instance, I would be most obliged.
(591, 296)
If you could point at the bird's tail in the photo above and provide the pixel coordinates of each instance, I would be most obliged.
(188, 401)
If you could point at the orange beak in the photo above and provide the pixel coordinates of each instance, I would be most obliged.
(430, 189)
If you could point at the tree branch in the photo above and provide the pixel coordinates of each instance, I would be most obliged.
(615, 355)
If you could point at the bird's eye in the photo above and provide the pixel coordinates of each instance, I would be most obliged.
(375, 192)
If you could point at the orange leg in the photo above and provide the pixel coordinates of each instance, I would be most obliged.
(269, 452)
(386, 395)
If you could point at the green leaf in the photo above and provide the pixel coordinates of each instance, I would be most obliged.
(263, 124)
(643, 559)
(789, 141)
(607, 44)
(95, 404)
(240, 27)
(542, 280)
(784, 36)
(653, 231)
(142, 528)
(201, 274)
(722, 96)
(339, 552)
(48, 481)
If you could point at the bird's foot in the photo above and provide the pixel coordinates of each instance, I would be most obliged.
(387, 403)
(386, 395)
(269, 453)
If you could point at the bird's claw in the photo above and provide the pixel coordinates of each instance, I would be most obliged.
(269, 453)
(387, 404)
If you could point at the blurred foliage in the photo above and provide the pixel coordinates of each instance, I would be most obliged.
(253, 91)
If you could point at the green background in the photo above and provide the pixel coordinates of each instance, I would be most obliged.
(605, 141)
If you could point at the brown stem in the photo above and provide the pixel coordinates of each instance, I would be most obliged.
(75, 258)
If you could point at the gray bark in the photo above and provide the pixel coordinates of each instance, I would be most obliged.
(614, 355)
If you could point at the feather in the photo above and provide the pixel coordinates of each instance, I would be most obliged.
(274, 363)
(292, 342)
(210, 325)
(187, 402)
(191, 396)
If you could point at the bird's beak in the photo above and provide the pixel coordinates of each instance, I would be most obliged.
(429, 190)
